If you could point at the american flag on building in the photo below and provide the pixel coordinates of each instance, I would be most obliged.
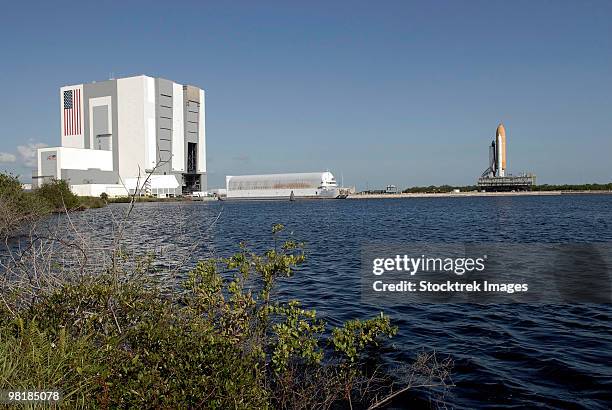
(72, 112)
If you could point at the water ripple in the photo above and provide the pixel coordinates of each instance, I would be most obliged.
(506, 356)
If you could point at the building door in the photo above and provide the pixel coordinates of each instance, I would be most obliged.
(192, 157)
(103, 142)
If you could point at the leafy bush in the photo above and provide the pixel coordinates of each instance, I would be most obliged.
(17, 208)
(90, 202)
(223, 341)
(58, 195)
(9, 185)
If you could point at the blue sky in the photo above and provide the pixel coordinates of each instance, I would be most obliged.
(408, 93)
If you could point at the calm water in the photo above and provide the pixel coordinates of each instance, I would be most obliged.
(510, 356)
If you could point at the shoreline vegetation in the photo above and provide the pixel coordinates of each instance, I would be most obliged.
(108, 329)
(433, 191)
(56, 196)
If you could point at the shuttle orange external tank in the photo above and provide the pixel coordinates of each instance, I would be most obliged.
(500, 142)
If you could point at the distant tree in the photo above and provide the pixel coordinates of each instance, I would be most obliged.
(9, 185)
(577, 187)
(58, 195)
(438, 189)
(16, 206)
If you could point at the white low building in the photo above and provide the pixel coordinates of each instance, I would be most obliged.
(112, 190)
(161, 186)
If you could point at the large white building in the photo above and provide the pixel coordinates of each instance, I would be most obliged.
(114, 131)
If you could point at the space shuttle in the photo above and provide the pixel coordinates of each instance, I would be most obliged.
(497, 154)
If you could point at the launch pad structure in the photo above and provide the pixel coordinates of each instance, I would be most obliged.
(507, 183)
(494, 178)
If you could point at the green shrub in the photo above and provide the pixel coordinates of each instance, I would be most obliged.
(172, 363)
(224, 341)
(154, 353)
(9, 185)
(58, 195)
(90, 202)
(355, 335)
(17, 208)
